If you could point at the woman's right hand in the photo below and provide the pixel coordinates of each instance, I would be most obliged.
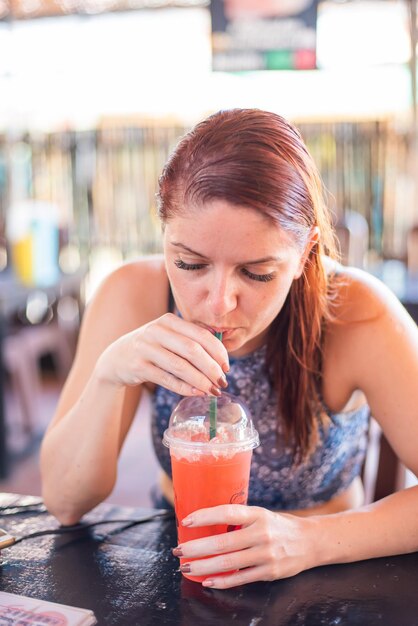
(168, 351)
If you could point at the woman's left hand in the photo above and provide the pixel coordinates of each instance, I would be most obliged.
(266, 547)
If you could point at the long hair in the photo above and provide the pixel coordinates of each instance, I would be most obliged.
(257, 159)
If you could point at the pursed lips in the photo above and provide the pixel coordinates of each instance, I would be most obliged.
(217, 329)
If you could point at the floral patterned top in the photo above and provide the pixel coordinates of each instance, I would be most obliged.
(277, 482)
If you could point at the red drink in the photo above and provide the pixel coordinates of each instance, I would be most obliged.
(205, 482)
(211, 442)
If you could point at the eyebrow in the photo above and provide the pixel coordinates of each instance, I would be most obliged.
(265, 259)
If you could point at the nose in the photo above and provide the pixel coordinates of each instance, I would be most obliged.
(222, 295)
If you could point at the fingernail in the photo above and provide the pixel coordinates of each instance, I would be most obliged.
(225, 367)
(215, 391)
(187, 521)
(208, 582)
(222, 382)
(186, 568)
(177, 551)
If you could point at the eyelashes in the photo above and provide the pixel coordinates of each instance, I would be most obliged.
(188, 266)
(263, 278)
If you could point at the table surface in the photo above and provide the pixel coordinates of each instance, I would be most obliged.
(131, 578)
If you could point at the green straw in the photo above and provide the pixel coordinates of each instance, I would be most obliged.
(213, 407)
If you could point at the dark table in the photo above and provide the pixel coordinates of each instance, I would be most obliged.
(131, 578)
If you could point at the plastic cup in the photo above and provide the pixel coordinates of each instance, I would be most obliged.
(208, 472)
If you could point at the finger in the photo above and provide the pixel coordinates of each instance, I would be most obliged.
(215, 544)
(182, 367)
(230, 514)
(230, 562)
(235, 579)
(199, 334)
(197, 337)
(179, 351)
(169, 381)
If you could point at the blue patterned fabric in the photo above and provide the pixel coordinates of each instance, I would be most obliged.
(276, 481)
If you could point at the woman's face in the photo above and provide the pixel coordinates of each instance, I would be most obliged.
(230, 270)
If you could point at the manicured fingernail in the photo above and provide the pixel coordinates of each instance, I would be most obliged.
(177, 551)
(186, 568)
(215, 391)
(225, 367)
(222, 382)
(187, 521)
(208, 582)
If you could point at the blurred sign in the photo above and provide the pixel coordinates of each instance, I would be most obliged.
(263, 34)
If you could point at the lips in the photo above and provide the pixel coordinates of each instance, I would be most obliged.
(226, 332)
(213, 329)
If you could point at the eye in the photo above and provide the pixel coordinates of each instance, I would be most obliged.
(188, 266)
(262, 278)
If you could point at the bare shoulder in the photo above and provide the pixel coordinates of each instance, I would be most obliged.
(372, 346)
(370, 334)
(130, 296)
(361, 297)
(136, 291)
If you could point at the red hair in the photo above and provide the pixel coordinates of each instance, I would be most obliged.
(257, 159)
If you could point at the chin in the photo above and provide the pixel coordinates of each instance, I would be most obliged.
(245, 346)
(232, 344)
(236, 346)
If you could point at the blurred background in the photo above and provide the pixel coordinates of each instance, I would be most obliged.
(93, 96)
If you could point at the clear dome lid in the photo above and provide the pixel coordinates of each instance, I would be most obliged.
(192, 423)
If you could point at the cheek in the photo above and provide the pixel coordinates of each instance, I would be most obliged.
(186, 294)
(267, 306)
(275, 307)
(272, 303)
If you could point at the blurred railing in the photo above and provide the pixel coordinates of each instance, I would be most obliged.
(104, 181)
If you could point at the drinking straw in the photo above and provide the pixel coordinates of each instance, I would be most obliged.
(213, 407)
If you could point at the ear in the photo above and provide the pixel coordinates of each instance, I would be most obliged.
(314, 237)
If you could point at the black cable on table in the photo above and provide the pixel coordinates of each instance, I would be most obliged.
(129, 523)
(16, 509)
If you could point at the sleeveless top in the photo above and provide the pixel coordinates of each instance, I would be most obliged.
(277, 482)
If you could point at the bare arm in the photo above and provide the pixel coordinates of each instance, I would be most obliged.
(126, 341)
(81, 446)
(381, 357)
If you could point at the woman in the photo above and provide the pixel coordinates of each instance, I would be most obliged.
(310, 345)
